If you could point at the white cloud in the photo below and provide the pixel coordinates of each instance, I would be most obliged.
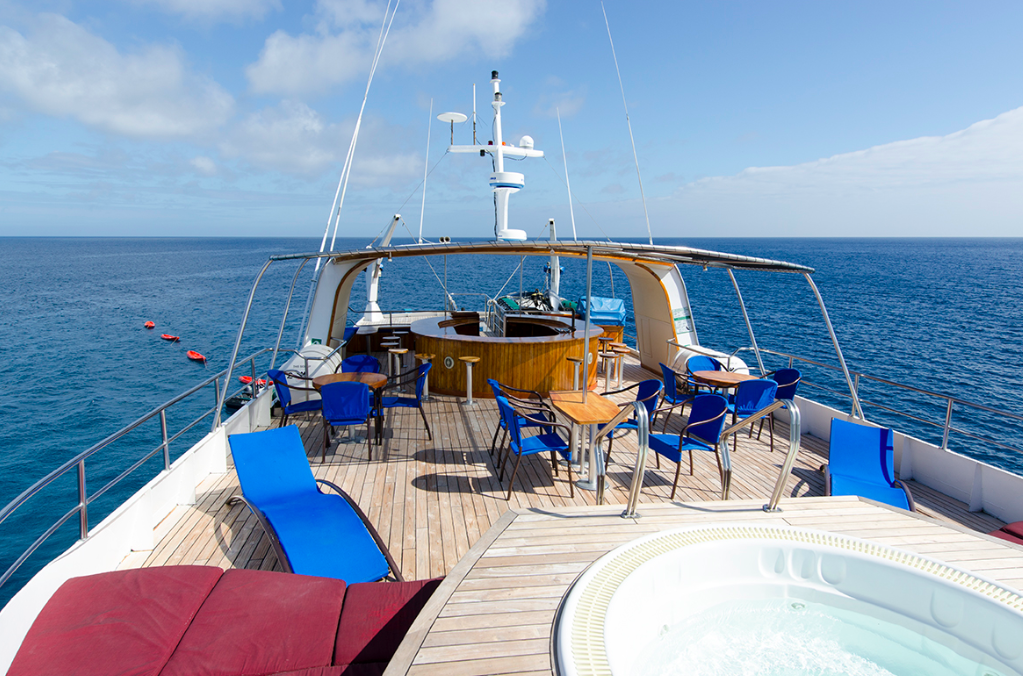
(966, 183)
(341, 47)
(204, 165)
(294, 138)
(215, 9)
(63, 70)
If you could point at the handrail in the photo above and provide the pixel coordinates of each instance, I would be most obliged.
(77, 463)
(948, 399)
(643, 432)
(726, 457)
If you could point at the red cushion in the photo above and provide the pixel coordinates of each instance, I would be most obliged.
(375, 618)
(1007, 536)
(1015, 528)
(260, 622)
(122, 622)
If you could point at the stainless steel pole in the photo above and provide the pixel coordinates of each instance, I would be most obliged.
(749, 327)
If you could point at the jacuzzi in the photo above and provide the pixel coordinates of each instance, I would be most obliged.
(749, 599)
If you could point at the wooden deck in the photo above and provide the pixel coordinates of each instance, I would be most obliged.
(432, 500)
(494, 613)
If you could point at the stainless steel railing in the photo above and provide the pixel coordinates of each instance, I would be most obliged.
(948, 401)
(643, 432)
(77, 464)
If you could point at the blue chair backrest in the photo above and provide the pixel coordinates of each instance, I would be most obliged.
(788, 381)
(345, 401)
(511, 421)
(701, 363)
(421, 379)
(670, 389)
(495, 386)
(702, 425)
(360, 363)
(753, 395)
(861, 452)
(272, 466)
(349, 333)
(650, 388)
(280, 382)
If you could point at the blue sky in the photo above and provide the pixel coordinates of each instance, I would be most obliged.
(233, 117)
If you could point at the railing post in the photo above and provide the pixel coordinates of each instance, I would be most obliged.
(790, 457)
(948, 426)
(856, 389)
(83, 503)
(643, 432)
(163, 431)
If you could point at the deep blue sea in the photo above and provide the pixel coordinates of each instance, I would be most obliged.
(938, 314)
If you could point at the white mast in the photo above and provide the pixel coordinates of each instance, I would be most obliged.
(372, 314)
(504, 183)
(555, 290)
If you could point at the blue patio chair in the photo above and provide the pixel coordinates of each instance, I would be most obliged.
(283, 389)
(701, 433)
(344, 404)
(313, 533)
(788, 383)
(860, 462)
(547, 441)
(751, 396)
(700, 362)
(536, 406)
(417, 375)
(671, 397)
(360, 363)
(647, 391)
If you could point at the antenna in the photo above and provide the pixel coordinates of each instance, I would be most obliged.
(451, 118)
(474, 113)
(629, 123)
(571, 212)
(426, 164)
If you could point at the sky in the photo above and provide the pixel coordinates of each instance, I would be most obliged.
(789, 119)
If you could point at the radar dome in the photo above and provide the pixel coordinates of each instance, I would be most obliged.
(526, 142)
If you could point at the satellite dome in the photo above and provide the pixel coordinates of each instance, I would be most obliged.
(526, 142)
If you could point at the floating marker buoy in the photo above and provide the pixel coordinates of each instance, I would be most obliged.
(195, 356)
(149, 325)
(169, 337)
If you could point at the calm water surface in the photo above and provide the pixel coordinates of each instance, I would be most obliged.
(938, 314)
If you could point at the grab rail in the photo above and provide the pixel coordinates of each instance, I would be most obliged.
(77, 464)
(643, 432)
(790, 457)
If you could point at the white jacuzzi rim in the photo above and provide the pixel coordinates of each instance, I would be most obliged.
(588, 597)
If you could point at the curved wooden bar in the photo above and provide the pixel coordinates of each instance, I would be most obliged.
(530, 363)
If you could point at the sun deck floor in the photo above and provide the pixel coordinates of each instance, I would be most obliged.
(431, 501)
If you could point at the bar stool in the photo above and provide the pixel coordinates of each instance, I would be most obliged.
(577, 363)
(426, 359)
(608, 360)
(398, 354)
(620, 350)
(469, 361)
(604, 349)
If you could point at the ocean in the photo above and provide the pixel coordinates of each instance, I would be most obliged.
(943, 315)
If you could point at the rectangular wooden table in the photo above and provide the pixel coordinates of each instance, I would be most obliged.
(587, 409)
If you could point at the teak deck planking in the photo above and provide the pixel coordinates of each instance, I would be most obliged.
(432, 502)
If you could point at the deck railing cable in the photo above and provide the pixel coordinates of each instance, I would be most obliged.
(77, 464)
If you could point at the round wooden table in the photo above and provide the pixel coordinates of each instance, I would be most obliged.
(721, 379)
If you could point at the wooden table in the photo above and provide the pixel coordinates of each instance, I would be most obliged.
(590, 410)
(376, 382)
(721, 379)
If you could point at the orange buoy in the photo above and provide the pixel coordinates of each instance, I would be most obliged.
(169, 337)
(195, 356)
(149, 325)
(245, 380)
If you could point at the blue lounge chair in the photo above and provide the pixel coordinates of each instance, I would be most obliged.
(280, 381)
(860, 460)
(701, 433)
(647, 391)
(313, 533)
(751, 396)
(344, 404)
